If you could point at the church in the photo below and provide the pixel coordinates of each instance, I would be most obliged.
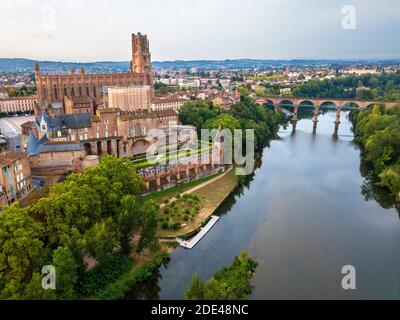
(53, 88)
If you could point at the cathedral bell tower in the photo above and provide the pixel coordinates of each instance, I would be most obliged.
(141, 67)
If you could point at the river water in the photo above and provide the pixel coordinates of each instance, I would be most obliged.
(302, 215)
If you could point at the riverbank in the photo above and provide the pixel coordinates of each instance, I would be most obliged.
(211, 194)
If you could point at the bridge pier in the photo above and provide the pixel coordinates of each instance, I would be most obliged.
(315, 119)
(295, 112)
(294, 124)
(336, 131)
(337, 122)
(277, 108)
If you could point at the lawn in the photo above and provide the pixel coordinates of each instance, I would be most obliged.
(179, 212)
(161, 196)
(214, 193)
(207, 199)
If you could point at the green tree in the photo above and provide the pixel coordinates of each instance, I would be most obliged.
(223, 121)
(66, 272)
(101, 240)
(148, 237)
(230, 283)
(35, 291)
(128, 221)
(20, 243)
(196, 289)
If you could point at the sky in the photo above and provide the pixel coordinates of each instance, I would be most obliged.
(99, 30)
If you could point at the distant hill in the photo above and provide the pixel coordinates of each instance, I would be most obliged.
(26, 65)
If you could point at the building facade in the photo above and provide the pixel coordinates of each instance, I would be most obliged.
(53, 88)
(175, 103)
(129, 98)
(17, 104)
(59, 141)
(15, 177)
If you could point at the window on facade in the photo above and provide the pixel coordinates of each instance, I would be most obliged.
(65, 90)
(72, 91)
(55, 92)
(143, 131)
(94, 92)
(58, 133)
(80, 91)
(133, 132)
(87, 90)
(51, 155)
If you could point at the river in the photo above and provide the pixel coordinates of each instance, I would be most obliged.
(302, 215)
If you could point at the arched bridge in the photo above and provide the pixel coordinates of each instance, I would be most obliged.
(316, 103)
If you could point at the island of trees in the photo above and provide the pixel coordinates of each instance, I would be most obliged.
(230, 283)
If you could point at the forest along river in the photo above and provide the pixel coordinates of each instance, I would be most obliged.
(302, 215)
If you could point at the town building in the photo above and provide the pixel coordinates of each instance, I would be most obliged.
(164, 103)
(17, 104)
(15, 177)
(56, 143)
(74, 105)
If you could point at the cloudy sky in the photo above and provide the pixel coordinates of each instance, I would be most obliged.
(92, 30)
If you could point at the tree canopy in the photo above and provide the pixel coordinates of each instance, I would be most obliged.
(230, 283)
(377, 130)
(91, 215)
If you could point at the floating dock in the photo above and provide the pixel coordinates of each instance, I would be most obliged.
(189, 244)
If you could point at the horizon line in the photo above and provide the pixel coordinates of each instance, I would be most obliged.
(211, 60)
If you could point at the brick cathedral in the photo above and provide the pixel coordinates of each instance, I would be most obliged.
(53, 88)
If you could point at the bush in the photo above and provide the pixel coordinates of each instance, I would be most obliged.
(103, 274)
(187, 211)
(176, 226)
(164, 225)
(186, 218)
(167, 211)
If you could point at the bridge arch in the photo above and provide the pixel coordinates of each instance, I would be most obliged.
(268, 103)
(286, 103)
(326, 103)
(306, 103)
(349, 104)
